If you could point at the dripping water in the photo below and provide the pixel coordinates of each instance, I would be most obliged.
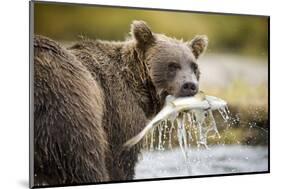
(191, 127)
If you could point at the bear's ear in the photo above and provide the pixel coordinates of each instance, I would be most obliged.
(198, 45)
(142, 33)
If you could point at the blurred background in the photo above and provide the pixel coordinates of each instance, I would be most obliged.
(234, 68)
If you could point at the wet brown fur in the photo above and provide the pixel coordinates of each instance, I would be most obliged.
(89, 99)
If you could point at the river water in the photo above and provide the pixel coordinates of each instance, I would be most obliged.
(220, 159)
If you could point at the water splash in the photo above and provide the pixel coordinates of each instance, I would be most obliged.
(170, 134)
(160, 127)
(151, 139)
(194, 126)
(224, 111)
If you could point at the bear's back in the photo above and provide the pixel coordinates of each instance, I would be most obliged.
(69, 141)
(123, 117)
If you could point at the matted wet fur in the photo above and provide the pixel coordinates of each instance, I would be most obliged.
(90, 98)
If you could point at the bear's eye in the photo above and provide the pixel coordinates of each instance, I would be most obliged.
(194, 66)
(173, 67)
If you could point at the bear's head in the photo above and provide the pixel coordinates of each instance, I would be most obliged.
(171, 63)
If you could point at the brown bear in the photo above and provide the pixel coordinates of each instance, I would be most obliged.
(92, 97)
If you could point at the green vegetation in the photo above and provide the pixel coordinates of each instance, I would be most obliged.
(230, 33)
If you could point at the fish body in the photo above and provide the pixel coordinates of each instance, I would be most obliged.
(215, 103)
(173, 106)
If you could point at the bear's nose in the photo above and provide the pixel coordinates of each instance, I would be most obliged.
(189, 89)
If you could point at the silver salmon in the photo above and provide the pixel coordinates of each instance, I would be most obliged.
(173, 106)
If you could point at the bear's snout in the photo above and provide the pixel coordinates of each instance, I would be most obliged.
(188, 89)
